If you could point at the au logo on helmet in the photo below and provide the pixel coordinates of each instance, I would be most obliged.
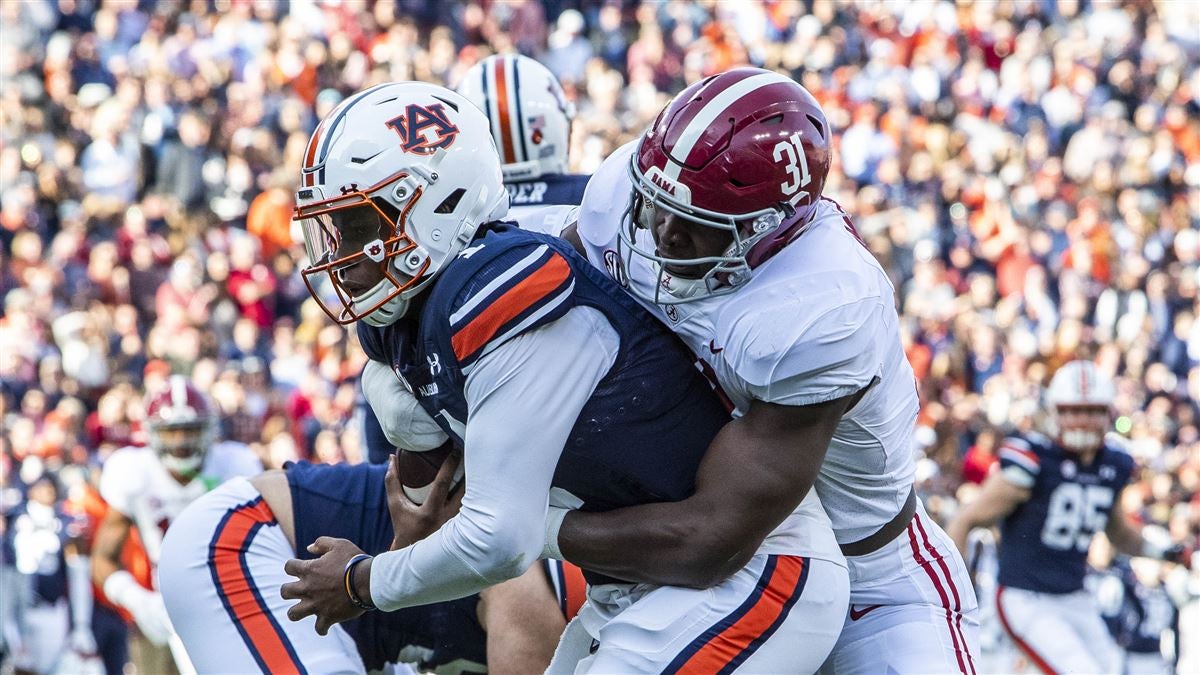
(424, 129)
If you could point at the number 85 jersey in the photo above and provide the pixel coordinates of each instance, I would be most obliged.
(1044, 541)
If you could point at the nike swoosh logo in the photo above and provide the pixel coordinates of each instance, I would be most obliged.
(856, 614)
(712, 347)
(364, 160)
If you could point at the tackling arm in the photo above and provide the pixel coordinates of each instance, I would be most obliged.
(998, 497)
(110, 540)
(756, 471)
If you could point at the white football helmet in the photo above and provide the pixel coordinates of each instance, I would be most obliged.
(529, 114)
(396, 181)
(1080, 400)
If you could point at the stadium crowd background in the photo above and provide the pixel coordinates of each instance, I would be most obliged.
(1028, 172)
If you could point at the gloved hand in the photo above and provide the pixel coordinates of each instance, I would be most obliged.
(146, 606)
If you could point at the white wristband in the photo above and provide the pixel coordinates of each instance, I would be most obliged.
(554, 520)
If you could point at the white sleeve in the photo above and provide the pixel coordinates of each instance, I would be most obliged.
(523, 399)
(836, 355)
(550, 220)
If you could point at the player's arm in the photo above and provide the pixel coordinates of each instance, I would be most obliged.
(523, 623)
(119, 586)
(756, 471)
(497, 533)
(520, 420)
(110, 540)
(998, 497)
(1151, 542)
(759, 467)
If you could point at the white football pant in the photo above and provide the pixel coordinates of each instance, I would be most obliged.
(220, 573)
(912, 608)
(1058, 632)
(778, 614)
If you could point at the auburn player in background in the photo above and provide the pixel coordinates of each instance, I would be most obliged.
(1052, 495)
(146, 488)
(530, 120)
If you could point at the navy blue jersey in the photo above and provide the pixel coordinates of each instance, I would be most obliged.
(640, 436)
(1044, 542)
(548, 190)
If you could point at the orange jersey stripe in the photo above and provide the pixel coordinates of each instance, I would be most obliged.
(726, 646)
(574, 587)
(237, 588)
(533, 288)
(502, 105)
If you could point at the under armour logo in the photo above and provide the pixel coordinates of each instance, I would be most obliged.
(435, 364)
(374, 250)
(347, 189)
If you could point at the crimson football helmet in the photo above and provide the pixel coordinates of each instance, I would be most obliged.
(746, 152)
(181, 425)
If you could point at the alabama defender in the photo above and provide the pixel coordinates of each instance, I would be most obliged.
(568, 384)
(1051, 496)
(714, 220)
(147, 487)
(530, 120)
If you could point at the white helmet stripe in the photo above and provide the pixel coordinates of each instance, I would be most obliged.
(711, 110)
(178, 392)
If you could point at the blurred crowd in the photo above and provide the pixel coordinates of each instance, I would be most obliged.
(1027, 170)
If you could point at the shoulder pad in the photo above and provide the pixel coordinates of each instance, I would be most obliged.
(1017, 453)
(124, 476)
(607, 196)
(507, 283)
(794, 352)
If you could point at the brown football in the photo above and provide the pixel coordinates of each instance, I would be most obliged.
(418, 469)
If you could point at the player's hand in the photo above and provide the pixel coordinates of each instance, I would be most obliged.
(412, 522)
(320, 585)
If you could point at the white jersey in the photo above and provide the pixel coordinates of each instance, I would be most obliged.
(815, 322)
(135, 483)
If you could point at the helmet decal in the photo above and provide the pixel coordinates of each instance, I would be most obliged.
(424, 129)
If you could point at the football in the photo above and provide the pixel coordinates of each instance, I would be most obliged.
(418, 469)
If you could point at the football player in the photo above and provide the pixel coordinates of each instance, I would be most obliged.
(1052, 494)
(147, 487)
(530, 120)
(714, 220)
(548, 376)
(54, 603)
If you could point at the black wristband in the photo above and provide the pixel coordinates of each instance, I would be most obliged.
(348, 578)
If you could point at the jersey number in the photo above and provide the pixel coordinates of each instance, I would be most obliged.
(1076, 513)
(792, 152)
